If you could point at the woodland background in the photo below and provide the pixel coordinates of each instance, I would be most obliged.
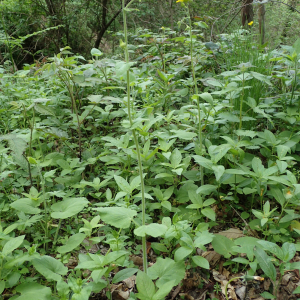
(84, 24)
(78, 134)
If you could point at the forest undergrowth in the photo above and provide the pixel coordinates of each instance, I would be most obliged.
(167, 171)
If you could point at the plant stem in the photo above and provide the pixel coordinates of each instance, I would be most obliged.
(45, 205)
(196, 91)
(226, 287)
(144, 248)
(73, 102)
(241, 103)
(57, 230)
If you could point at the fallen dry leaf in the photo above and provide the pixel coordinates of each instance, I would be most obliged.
(129, 282)
(232, 233)
(241, 292)
(225, 273)
(267, 284)
(231, 294)
(138, 261)
(218, 277)
(176, 291)
(286, 278)
(212, 257)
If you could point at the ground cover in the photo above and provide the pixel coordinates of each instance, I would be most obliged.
(168, 172)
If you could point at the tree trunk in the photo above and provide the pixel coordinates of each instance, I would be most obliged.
(54, 10)
(261, 20)
(171, 14)
(247, 12)
(104, 25)
(101, 29)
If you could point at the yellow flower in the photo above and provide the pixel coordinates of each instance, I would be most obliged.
(182, 1)
(250, 23)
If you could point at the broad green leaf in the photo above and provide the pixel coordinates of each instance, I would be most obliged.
(2, 286)
(113, 256)
(145, 286)
(164, 175)
(214, 82)
(204, 162)
(241, 260)
(152, 229)
(44, 110)
(229, 117)
(26, 205)
(124, 274)
(168, 193)
(219, 171)
(74, 241)
(182, 252)
(122, 184)
(164, 290)
(162, 75)
(249, 133)
(289, 251)
(296, 46)
(297, 290)
(216, 153)
(267, 295)
(68, 207)
(196, 199)
(119, 217)
(16, 144)
(278, 195)
(121, 68)
(209, 202)
(135, 183)
(282, 165)
(167, 270)
(282, 151)
(175, 158)
(12, 244)
(212, 46)
(247, 245)
(203, 238)
(201, 262)
(222, 245)
(159, 247)
(235, 172)
(96, 52)
(272, 248)
(167, 205)
(265, 263)
(261, 77)
(50, 268)
(209, 213)
(257, 166)
(206, 189)
(19, 260)
(207, 97)
(30, 290)
(280, 179)
(158, 194)
(184, 135)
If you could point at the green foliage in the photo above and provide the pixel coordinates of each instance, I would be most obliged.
(99, 156)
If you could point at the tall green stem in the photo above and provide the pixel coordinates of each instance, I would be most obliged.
(196, 91)
(45, 205)
(144, 248)
(241, 102)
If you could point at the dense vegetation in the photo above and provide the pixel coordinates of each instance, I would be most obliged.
(166, 168)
